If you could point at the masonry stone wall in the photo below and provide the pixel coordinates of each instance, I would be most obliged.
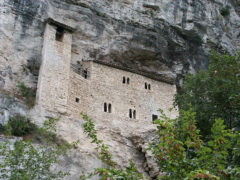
(63, 88)
(105, 85)
(54, 74)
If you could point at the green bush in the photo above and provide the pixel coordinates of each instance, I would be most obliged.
(27, 93)
(225, 11)
(20, 125)
(182, 154)
(214, 93)
(24, 160)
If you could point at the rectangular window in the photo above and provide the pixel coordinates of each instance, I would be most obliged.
(85, 74)
(130, 113)
(77, 100)
(105, 107)
(154, 117)
(59, 34)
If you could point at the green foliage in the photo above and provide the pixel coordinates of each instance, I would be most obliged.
(130, 173)
(214, 93)
(27, 93)
(201, 174)
(25, 161)
(225, 11)
(181, 153)
(176, 145)
(215, 154)
(20, 126)
(110, 172)
(236, 149)
(23, 127)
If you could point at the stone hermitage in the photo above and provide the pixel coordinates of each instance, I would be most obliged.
(100, 89)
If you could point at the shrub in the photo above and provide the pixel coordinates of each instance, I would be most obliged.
(181, 153)
(24, 161)
(27, 93)
(21, 125)
(225, 11)
(214, 93)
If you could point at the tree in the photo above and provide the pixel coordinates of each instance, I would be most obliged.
(23, 160)
(214, 93)
(182, 154)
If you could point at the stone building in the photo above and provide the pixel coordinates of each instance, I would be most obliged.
(103, 91)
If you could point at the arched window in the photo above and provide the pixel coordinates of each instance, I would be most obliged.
(124, 80)
(149, 86)
(130, 113)
(105, 107)
(145, 85)
(109, 108)
(134, 114)
(128, 80)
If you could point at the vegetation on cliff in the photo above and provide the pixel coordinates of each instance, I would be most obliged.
(23, 160)
(214, 93)
(28, 94)
(181, 152)
(112, 171)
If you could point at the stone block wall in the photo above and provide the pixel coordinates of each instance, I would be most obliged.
(105, 85)
(54, 74)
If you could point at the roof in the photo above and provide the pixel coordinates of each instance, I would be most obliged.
(64, 26)
(157, 77)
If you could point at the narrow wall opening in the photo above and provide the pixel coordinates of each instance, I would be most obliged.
(59, 34)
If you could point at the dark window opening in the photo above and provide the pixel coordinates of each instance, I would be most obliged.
(105, 107)
(154, 117)
(59, 34)
(85, 74)
(145, 85)
(134, 114)
(109, 108)
(77, 100)
(130, 113)
(128, 80)
(124, 80)
(149, 86)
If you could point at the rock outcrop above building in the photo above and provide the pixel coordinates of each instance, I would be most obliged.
(163, 37)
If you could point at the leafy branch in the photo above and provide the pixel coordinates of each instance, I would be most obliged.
(111, 172)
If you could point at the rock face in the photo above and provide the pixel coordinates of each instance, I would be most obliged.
(170, 37)
(10, 106)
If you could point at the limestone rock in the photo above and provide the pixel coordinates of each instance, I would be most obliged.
(172, 40)
(10, 106)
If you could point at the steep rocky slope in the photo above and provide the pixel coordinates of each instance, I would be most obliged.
(170, 37)
(161, 36)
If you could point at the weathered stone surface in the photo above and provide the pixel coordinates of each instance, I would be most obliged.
(10, 106)
(173, 40)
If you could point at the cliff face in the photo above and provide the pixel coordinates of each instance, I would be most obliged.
(161, 36)
(170, 37)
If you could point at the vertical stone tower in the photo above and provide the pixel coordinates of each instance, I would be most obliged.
(53, 80)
